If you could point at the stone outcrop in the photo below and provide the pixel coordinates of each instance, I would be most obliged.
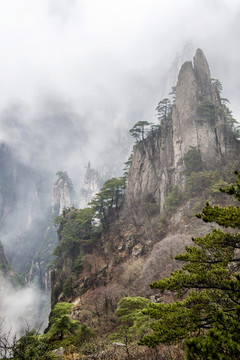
(207, 131)
(152, 169)
(62, 194)
(92, 185)
(196, 121)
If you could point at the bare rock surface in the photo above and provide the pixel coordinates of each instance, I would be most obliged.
(158, 160)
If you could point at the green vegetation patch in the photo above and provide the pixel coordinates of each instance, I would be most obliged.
(207, 110)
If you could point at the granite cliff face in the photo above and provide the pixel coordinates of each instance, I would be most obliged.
(197, 121)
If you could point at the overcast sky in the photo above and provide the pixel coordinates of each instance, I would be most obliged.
(99, 65)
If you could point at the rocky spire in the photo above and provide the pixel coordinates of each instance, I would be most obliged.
(90, 187)
(197, 121)
(202, 75)
(62, 193)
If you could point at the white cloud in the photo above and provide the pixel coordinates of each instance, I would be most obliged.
(106, 59)
(20, 309)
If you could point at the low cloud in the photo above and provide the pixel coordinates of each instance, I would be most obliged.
(22, 308)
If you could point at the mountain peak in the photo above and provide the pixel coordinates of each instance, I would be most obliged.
(196, 121)
(202, 73)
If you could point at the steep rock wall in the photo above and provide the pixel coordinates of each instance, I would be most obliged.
(152, 165)
(158, 160)
(207, 132)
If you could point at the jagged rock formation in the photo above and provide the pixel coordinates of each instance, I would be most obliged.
(183, 55)
(92, 185)
(141, 239)
(205, 130)
(62, 193)
(93, 182)
(158, 162)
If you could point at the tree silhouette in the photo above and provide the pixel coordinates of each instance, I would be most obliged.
(139, 129)
(164, 110)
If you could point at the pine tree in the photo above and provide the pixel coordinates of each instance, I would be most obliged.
(139, 129)
(207, 315)
(164, 110)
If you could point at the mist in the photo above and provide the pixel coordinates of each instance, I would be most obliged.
(20, 309)
(76, 75)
